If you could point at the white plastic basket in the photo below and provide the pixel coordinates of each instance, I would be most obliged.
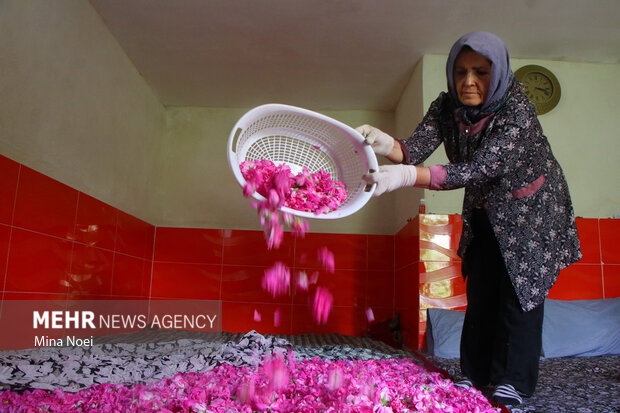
(302, 138)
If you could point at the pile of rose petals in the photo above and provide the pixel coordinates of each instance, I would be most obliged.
(309, 192)
(388, 385)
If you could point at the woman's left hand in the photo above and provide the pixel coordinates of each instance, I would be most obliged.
(391, 177)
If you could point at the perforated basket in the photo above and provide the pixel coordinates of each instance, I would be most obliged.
(302, 138)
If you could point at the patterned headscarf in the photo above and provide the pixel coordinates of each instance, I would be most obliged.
(493, 48)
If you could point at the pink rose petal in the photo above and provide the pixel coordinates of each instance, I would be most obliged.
(369, 315)
(277, 279)
(335, 378)
(326, 258)
(276, 317)
(302, 281)
(276, 371)
(314, 278)
(321, 305)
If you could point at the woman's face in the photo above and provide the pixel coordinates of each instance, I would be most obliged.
(472, 77)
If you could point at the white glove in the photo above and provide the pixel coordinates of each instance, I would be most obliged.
(391, 177)
(380, 142)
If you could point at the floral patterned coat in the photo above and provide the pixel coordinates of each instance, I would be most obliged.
(508, 169)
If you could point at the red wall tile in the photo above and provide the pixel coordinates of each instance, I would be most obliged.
(91, 270)
(38, 263)
(578, 282)
(45, 205)
(380, 287)
(58, 299)
(63, 241)
(5, 233)
(381, 252)
(349, 250)
(95, 223)
(406, 287)
(380, 314)
(346, 287)
(131, 276)
(407, 244)
(239, 317)
(610, 240)
(244, 284)
(134, 236)
(188, 245)
(588, 230)
(611, 273)
(343, 320)
(250, 248)
(9, 171)
(409, 326)
(192, 281)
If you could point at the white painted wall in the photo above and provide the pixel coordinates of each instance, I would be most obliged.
(408, 114)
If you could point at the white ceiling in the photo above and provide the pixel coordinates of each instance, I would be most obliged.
(335, 54)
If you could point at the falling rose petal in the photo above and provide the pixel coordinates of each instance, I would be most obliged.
(274, 368)
(322, 304)
(276, 317)
(273, 231)
(282, 181)
(369, 315)
(277, 279)
(246, 390)
(248, 189)
(291, 359)
(314, 278)
(326, 258)
(302, 281)
(299, 227)
(274, 199)
(335, 378)
(287, 217)
(257, 316)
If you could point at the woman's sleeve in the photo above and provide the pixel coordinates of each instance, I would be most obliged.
(501, 152)
(426, 138)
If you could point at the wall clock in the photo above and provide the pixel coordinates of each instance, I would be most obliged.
(541, 87)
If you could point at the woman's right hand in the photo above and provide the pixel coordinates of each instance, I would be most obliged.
(380, 142)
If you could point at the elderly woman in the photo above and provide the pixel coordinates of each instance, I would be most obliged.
(518, 224)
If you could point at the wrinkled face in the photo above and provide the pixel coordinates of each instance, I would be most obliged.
(472, 77)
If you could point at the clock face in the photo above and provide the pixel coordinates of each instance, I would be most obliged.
(541, 87)
(538, 87)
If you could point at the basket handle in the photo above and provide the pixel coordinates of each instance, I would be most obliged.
(370, 186)
(233, 143)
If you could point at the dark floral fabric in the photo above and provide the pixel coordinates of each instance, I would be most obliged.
(509, 170)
